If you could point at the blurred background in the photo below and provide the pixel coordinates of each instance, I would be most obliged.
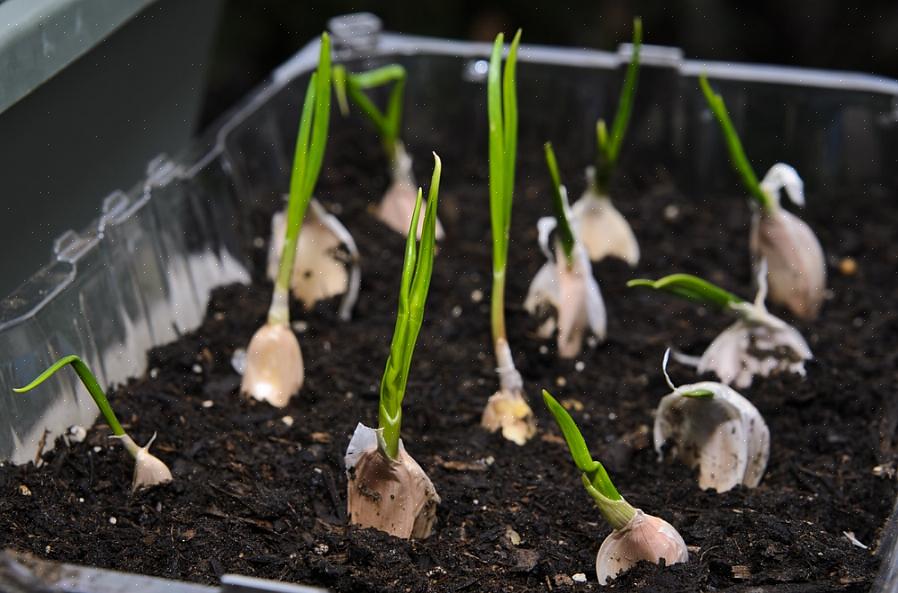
(91, 90)
(254, 37)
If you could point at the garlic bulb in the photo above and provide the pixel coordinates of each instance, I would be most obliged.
(507, 409)
(398, 204)
(644, 537)
(274, 368)
(796, 266)
(149, 470)
(716, 429)
(571, 291)
(602, 229)
(394, 496)
(320, 270)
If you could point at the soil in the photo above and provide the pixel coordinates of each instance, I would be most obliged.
(262, 491)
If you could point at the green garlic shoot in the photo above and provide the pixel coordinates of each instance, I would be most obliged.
(274, 366)
(601, 227)
(710, 426)
(635, 536)
(398, 203)
(796, 266)
(564, 287)
(149, 470)
(758, 343)
(387, 488)
(507, 409)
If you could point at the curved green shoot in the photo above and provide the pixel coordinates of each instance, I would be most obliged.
(90, 383)
(308, 156)
(734, 146)
(387, 122)
(502, 111)
(415, 284)
(610, 145)
(595, 478)
(561, 206)
(593, 470)
(692, 288)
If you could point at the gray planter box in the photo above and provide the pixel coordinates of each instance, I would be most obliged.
(142, 273)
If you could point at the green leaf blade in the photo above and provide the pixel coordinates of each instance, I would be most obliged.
(90, 383)
(560, 205)
(734, 145)
(415, 285)
(308, 156)
(690, 287)
(496, 155)
(594, 471)
(389, 121)
(610, 143)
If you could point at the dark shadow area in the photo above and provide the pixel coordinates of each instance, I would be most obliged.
(254, 37)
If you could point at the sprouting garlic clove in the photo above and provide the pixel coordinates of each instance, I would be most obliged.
(149, 470)
(510, 412)
(723, 435)
(602, 229)
(747, 349)
(397, 206)
(573, 295)
(797, 270)
(320, 271)
(394, 496)
(796, 265)
(274, 368)
(507, 409)
(645, 537)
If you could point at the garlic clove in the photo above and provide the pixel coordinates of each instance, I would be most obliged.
(645, 537)
(574, 295)
(394, 496)
(274, 368)
(581, 307)
(723, 435)
(397, 206)
(508, 408)
(750, 348)
(796, 266)
(602, 229)
(725, 356)
(149, 470)
(509, 411)
(319, 270)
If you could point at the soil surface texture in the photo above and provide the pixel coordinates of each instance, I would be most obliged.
(262, 491)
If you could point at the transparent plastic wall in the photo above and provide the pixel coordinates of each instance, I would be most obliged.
(142, 274)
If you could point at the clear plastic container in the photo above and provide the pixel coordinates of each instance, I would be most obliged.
(142, 274)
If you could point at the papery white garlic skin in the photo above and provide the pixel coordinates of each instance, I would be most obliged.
(274, 367)
(149, 470)
(746, 349)
(574, 294)
(394, 496)
(602, 229)
(724, 436)
(645, 537)
(796, 265)
(507, 409)
(397, 206)
(318, 271)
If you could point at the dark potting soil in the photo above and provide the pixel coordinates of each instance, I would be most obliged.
(261, 491)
